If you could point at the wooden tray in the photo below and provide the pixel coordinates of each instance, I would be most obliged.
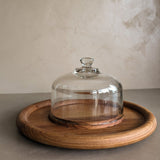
(138, 124)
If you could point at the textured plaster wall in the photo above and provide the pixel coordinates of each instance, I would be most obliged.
(43, 39)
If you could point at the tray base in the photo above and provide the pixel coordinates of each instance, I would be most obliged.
(138, 123)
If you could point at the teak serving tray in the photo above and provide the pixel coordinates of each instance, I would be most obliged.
(138, 124)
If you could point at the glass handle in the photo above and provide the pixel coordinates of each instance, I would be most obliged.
(86, 62)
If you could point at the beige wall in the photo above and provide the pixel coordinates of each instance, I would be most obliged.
(43, 39)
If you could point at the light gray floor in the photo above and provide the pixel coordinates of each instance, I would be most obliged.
(14, 146)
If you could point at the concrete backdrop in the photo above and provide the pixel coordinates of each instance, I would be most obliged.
(43, 39)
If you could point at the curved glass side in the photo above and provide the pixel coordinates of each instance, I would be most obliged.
(86, 107)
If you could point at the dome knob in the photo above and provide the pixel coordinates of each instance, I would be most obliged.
(86, 61)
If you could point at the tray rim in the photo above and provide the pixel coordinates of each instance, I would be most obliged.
(106, 141)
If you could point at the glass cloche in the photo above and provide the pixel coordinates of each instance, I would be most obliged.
(86, 98)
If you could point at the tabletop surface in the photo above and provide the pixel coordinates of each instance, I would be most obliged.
(14, 146)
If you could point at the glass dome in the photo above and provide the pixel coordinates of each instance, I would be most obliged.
(86, 98)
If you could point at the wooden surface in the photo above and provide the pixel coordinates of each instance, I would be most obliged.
(138, 124)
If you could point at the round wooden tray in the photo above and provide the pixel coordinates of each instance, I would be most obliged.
(138, 123)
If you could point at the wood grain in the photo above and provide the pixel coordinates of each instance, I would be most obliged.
(138, 124)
